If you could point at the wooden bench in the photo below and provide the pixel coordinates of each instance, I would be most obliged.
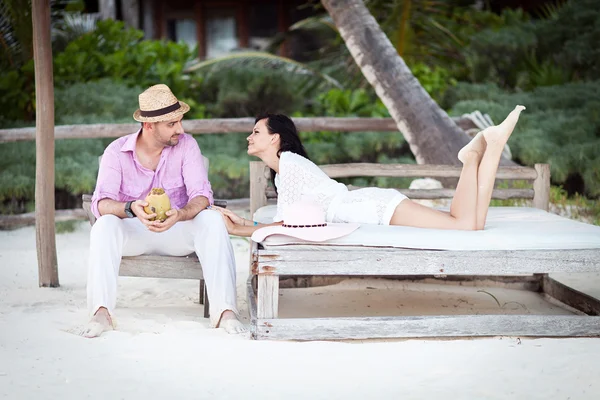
(529, 267)
(152, 266)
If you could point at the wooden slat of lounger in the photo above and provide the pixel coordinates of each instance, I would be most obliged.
(161, 267)
(352, 260)
(427, 326)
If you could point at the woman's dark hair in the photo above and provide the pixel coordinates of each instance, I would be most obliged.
(288, 136)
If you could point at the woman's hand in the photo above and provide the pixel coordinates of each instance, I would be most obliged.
(230, 225)
(233, 217)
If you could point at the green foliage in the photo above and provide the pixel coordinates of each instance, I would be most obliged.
(111, 51)
(349, 103)
(434, 80)
(66, 226)
(76, 160)
(103, 100)
(250, 91)
(499, 55)
(526, 53)
(119, 53)
(571, 36)
(75, 171)
(560, 126)
(228, 170)
(18, 91)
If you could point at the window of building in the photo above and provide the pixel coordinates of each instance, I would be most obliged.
(221, 32)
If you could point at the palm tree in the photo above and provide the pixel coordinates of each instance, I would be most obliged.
(431, 134)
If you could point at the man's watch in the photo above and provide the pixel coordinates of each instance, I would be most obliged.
(128, 209)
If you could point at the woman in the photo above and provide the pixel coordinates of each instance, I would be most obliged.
(275, 141)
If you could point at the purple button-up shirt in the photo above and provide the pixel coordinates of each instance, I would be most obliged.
(180, 172)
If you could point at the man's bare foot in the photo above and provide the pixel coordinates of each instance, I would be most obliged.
(230, 323)
(499, 134)
(474, 149)
(100, 323)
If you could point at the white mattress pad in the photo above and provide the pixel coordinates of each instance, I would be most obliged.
(507, 228)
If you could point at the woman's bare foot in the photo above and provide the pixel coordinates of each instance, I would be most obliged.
(477, 146)
(230, 323)
(499, 134)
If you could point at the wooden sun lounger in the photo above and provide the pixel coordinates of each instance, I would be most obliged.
(531, 267)
(153, 266)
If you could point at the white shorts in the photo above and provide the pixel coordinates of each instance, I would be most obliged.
(367, 206)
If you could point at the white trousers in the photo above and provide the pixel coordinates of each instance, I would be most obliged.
(206, 235)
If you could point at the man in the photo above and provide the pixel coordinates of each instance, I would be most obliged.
(161, 155)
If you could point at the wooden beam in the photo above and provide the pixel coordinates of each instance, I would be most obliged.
(541, 185)
(44, 149)
(258, 186)
(205, 126)
(427, 326)
(12, 221)
(569, 296)
(162, 267)
(268, 296)
(374, 261)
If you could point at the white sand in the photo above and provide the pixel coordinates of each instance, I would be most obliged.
(164, 348)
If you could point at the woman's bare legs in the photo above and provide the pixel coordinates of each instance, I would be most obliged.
(474, 190)
(495, 138)
(463, 210)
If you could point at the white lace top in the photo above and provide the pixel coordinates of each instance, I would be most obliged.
(299, 178)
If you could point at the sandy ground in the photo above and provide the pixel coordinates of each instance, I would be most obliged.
(164, 348)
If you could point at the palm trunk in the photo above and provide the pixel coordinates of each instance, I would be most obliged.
(431, 134)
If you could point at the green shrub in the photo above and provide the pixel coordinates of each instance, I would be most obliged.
(103, 100)
(243, 92)
(119, 53)
(570, 38)
(560, 126)
(500, 55)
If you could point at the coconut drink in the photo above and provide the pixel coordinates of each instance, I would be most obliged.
(159, 203)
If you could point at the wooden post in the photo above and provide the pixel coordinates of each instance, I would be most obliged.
(268, 296)
(44, 149)
(108, 8)
(131, 13)
(258, 186)
(200, 29)
(541, 187)
(283, 24)
(242, 25)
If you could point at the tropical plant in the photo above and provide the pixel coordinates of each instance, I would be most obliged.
(560, 126)
(409, 104)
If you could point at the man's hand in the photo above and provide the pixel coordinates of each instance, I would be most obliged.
(173, 216)
(138, 209)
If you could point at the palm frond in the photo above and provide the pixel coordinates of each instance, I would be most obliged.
(264, 60)
(551, 10)
(316, 22)
(73, 25)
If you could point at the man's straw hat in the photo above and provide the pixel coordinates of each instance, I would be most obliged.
(158, 103)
